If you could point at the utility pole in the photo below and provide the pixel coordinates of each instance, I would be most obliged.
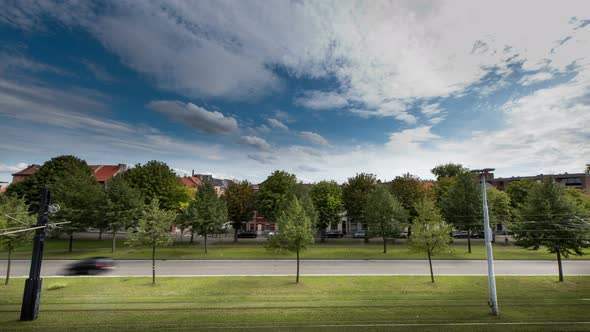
(493, 301)
(32, 295)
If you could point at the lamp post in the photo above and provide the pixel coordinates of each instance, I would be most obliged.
(493, 301)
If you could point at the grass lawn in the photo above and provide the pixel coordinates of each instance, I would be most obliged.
(57, 249)
(277, 303)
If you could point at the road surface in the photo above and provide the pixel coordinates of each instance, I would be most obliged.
(20, 268)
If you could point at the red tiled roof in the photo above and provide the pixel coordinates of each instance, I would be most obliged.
(427, 184)
(29, 170)
(103, 173)
(191, 181)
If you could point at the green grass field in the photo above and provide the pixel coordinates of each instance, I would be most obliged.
(57, 249)
(319, 303)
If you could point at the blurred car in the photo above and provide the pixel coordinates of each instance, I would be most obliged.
(334, 234)
(247, 235)
(404, 235)
(359, 234)
(91, 266)
(267, 233)
(460, 234)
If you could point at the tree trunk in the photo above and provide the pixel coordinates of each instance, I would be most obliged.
(367, 236)
(430, 263)
(192, 236)
(236, 230)
(8, 266)
(114, 240)
(70, 243)
(559, 265)
(469, 240)
(181, 232)
(323, 235)
(384, 244)
(100, 234)
(154, 262)
(205, 242)
(297, 278)
(409, 230)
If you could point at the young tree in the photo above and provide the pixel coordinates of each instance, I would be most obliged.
(431, 232)
(327, 200)
(153, 229)
(274, 192)
(156, 180)
(409, 190)
(122, 206)
(462, 205)
(549, 218)
(12, 208)
(500, 211)
(240, 199)
(207, 213)
(296, 231)
(354, 197)
(385, 215)
(449, 170)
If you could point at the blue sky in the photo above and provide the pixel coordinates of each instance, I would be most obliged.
(323, 89)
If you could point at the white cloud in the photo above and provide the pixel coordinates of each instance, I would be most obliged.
(536, 78)
(212, 122)
(98, 71)
(393, 108)
(277, 124)
(263, 128)
(314, 138)
(430, 109)
(12, 168)
(284, 117)
(256, 142)
(321, 100)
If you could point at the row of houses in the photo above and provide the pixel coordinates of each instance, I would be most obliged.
(260, 223)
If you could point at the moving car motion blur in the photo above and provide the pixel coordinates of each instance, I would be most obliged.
(91, 266)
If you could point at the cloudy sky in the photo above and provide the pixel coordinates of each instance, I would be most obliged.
(323, 89)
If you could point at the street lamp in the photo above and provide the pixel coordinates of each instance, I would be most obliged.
(487, 232)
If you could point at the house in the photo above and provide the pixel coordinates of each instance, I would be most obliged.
(102, 173)
(3, 186)
(196, 180)
(192, 182)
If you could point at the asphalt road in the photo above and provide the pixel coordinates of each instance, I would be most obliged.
(20, 268)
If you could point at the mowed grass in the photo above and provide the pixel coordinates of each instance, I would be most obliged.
(318, 303)
(57, 249)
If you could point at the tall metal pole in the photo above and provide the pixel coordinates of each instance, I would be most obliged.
(32, 295)
(487, 231)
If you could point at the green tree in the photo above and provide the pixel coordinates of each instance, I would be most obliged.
(354, 196)
(153, 229)
(274, 192)
(518, 192)
(581, 199)
(207, 213)
(327, 200)
(500, 210)
(11, 208)
(440, 189)
(385, 215)
(549, 218)
(156, 180)
(587, 168)
(296, 231)
(122, 206)
(240, 199)
(409, 190)
(462, 205)
(449, 170)
(431, 232)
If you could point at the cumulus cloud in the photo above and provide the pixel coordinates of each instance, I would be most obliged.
(12, 168)
(212, 122)
(256, 143)
(314, 138)
(277, 124)
(536, 78)
(321, 100)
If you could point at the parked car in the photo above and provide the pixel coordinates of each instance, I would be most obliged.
(460, 234)
(404, 235)
(247, 235)
(91, 266)
(360, 234)
(334, 234)
(267, 233)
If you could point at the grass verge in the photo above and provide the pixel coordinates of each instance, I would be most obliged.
(319, 303)
(57, 249)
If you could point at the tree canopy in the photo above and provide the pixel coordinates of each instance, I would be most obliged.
(240, 199)
(409, 190)
(327, 200)
(14, 215)
(449, 170)
(550, 218)
(519, 190)
(207, 213)
(354, 196)
(296, 231)
(385, 215)
(274, 192)
(156, 180)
